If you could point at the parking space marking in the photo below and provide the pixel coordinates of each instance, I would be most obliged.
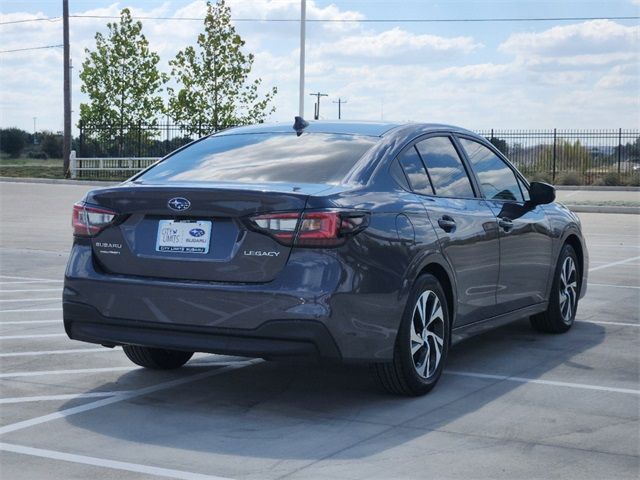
(65, 396)
(613, 264)
(22, 282)
(102, 462)
(43, 299)
(583, 386)
(20, 310)
(31, 278)
(125, 396)
(32, 290)
(25, 322)
(39, 335)
(621, 324)
(56, 352)
(612, 286)
(73, 371)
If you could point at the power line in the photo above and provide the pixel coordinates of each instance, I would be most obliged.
(347, 20)
(31, 48)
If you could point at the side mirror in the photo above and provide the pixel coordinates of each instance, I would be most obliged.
(541, 193)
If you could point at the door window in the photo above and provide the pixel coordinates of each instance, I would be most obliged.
(497, 180)
(447, 173)
(414, 169)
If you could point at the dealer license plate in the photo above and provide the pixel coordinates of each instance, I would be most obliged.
(187, 236)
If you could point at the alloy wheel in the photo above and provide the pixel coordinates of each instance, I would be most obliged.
(568, 289)
(427, 334)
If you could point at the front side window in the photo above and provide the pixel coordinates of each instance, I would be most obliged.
(497, 180)
(415, 172)
(447, 173)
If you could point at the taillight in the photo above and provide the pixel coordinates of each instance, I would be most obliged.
(311, 229)
(88, 221)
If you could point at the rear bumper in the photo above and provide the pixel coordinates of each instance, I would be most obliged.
(276, 338)
(317, 307)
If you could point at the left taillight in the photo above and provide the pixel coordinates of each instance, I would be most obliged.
(88, 220)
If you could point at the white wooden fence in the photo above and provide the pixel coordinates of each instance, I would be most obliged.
(107, 167)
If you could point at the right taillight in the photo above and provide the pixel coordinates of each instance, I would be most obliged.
(88, 220)
(311, 229)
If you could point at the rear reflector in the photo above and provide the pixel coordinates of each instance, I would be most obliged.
(88, 221)
(311, 229)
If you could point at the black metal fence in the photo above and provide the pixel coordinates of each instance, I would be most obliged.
(570, 157)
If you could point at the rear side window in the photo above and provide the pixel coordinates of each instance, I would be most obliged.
(264, 157)
(497, 180)
(445, 168)
(415, 172)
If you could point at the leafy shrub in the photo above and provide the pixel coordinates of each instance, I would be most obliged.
(38, 155)
(569, 178)
(611, 179)
(540, 177)
(633, 180)
(51, 144)
(12, 141)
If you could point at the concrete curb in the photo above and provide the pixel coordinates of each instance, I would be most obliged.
(597, 188)
(603, 209)
(58, 181)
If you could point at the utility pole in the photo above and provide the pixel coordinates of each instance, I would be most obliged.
(303, 28)
(340, 102)
(316, 113)
(66, 140)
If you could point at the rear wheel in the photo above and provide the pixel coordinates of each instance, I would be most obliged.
(422, 343)
(563, 300)
(156, 358)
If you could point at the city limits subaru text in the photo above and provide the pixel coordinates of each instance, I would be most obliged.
(355, 242)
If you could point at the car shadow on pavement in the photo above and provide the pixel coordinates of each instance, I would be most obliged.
(301, 411)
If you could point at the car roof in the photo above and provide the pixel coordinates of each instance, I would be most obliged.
(374, 129)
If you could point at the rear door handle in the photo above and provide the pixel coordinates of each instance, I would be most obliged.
(447, 223)
(505, 224)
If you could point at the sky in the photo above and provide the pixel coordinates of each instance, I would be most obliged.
(516, 75)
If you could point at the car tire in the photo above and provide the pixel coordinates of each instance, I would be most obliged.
(563, 299)
(422, 342)
(156, 358)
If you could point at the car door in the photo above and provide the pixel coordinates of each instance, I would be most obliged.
(525, 236)
(465, 225)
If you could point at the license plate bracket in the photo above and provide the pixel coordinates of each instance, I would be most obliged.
(184, 236)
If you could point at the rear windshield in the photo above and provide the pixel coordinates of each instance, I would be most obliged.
(264, 157)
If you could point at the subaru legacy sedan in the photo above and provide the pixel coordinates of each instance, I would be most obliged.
(353, 242)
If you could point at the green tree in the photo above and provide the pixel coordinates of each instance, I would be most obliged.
(213, 84)
(51, 144)
(122, 79)
(12, 141)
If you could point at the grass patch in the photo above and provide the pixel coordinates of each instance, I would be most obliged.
(31, 162)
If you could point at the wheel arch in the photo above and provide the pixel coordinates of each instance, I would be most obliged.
(573, 240)
(443, 276)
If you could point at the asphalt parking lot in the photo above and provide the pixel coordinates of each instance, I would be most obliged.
(512, 403)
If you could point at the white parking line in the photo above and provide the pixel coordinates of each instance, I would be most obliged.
(582, 386)
(73, 371)
(43, 299)
(19, 282)
(25, 322)
(56, 352)
(125, 396)
(20, 310)
(66, 396)
(32, 290)
(40, 335)
(621, 324)
(613, 286)
(613, 264)
(102, 462)
(31, 278)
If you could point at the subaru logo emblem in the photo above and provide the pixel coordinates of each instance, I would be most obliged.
(196, 232)
(179, 204)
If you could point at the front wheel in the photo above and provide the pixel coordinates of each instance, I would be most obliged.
(563, 300)
(156, 358)
(422, 343)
